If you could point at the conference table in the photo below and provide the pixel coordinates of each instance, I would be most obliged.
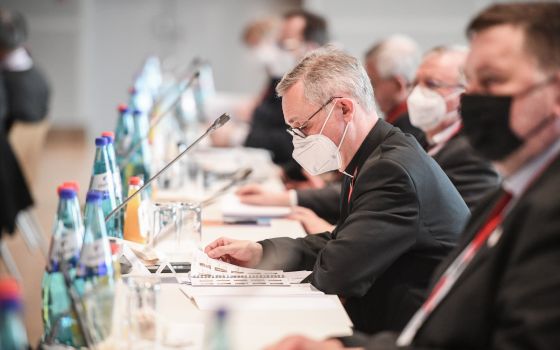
(260, 320)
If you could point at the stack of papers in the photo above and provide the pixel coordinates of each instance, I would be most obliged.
(213, 284)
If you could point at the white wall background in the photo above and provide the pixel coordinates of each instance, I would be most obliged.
(90, 49)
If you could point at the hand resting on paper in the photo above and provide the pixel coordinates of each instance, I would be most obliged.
(255, 194)
(237, 252)
(312, 223)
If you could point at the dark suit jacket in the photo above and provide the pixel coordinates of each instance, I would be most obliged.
(473, 176)
(325, 202)
(402, 219)
(27, 94)
(403, 123)
(14, 193)
(509, 296)
(268, 128)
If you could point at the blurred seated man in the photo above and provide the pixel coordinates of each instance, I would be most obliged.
(300, 32)
(499, 288)
(400, 214)
(433, 106)
(391, 65)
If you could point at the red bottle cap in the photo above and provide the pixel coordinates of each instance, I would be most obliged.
(122, 107)
(108, 134)
(134, 180)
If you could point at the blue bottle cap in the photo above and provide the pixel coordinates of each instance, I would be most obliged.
(136, 112)
(109, 139)
(93, 196)
(100, 141)
(67, 193)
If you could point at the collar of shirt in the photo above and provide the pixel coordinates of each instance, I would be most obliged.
(396, 112)
(440, 139)
(17, 60)
(517, 183)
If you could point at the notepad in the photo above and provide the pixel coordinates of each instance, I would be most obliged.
(232, 207)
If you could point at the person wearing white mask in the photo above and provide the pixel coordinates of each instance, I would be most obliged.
(400, 214)
(433, 106)
(299, 32)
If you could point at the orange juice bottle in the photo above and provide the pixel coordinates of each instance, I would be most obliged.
(134, 224)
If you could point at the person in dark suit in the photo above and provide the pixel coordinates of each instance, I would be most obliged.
(499, 288)
(14, 192)
(301, 32)
(433, 107)
(400, 214)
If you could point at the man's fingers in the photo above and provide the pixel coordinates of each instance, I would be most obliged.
(248, 189)
(218, 252)
(251, 199)
(219, 242)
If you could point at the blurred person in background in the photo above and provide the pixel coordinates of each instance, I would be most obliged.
(433, 107)
(299, 33)
(391, 65)
(23, 97)
(27, 90)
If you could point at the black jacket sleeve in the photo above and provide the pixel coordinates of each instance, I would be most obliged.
(325, 202)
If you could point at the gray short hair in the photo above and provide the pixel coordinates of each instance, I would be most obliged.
(445, 49)
(328, 72)
(397, 55)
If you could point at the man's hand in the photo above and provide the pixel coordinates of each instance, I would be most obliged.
(237, 252)
(257, 195)
(298, 342)
(312, 223)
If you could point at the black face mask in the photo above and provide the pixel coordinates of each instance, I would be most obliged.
(486, 125)
(486, 122)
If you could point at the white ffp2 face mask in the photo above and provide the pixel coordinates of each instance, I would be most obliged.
(427, 108)
(318, 154)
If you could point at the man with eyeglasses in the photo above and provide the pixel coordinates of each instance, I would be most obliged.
(400, 214)
(433, 106)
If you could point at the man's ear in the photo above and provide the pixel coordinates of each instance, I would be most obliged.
(401, 84)
(348, 109)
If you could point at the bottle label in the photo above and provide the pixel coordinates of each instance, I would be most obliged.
(101, 182)
(144, 218)
(124, 145)
(118, 183)
(67, 246)
(93, 254)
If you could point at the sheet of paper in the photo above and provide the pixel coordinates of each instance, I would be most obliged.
(244, 303)
(300, 289)
(202, 264)
(232, 207)
(296, 277)
(182, 336)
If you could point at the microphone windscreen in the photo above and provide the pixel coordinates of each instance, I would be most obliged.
(220, 121)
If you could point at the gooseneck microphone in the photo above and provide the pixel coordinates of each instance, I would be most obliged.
(218, 123)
